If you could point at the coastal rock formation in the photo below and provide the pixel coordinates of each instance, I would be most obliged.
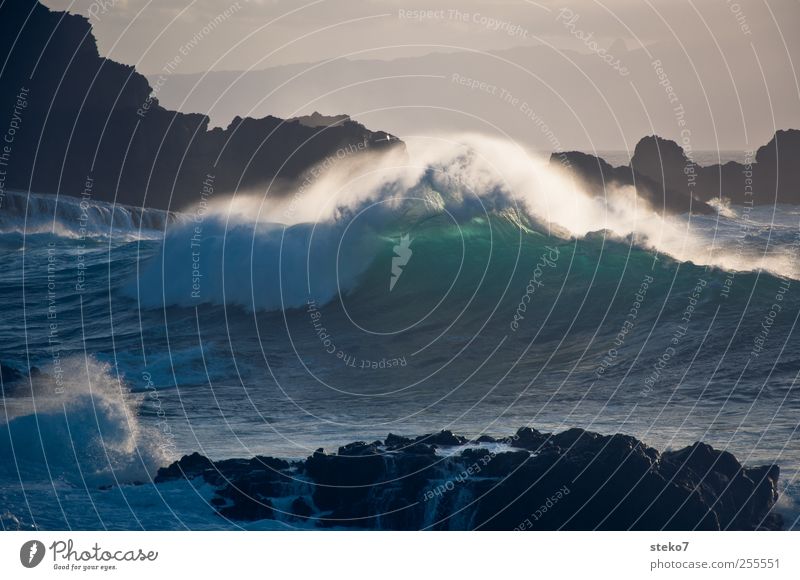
(80, 124)
(576, 480)
(316, 119)
(671, 181)
(13, 380)
(599, 177)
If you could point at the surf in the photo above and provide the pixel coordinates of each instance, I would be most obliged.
(271, 250)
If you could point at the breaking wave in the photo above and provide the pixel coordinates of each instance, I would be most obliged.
(272, 252)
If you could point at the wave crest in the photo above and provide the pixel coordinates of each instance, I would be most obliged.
(274, 252)
(81, 425)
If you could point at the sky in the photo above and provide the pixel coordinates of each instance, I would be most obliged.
(730, 63)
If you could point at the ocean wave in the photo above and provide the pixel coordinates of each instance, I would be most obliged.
(267, 252)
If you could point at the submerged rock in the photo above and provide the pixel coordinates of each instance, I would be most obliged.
(576, 480)
(9, 374)
(14, 382)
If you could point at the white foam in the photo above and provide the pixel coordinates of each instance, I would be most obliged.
(80, 425)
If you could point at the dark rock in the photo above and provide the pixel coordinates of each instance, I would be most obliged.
(669, 180)
(187, 467)
(395, 441)
(317, 119)
(421, 449)
(573, 437)
(301, 508)
(527, 438)
(10, 375)
(662, 191)
(358, 448)
(702, 458)
(87, 117)
(419, 445)
(503, 464)
(247, 508)
(19, 383)
(663, 162)
(271, 462)
(723, 481)
(445, 438)
(575, 480)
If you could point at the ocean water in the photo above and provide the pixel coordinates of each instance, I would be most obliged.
(453, 292)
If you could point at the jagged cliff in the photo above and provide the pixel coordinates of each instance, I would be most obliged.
(75, 122)
(670, 180)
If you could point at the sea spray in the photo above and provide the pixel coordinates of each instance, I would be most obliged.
(84, 429)
(276, 247)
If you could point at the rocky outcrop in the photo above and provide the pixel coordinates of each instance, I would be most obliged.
(671, 181)
(598, 177)
(317, 119)
(83, 124)
(574, 480)
(13, 380)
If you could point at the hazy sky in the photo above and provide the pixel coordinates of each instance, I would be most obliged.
(735, 60)
(151, 32)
